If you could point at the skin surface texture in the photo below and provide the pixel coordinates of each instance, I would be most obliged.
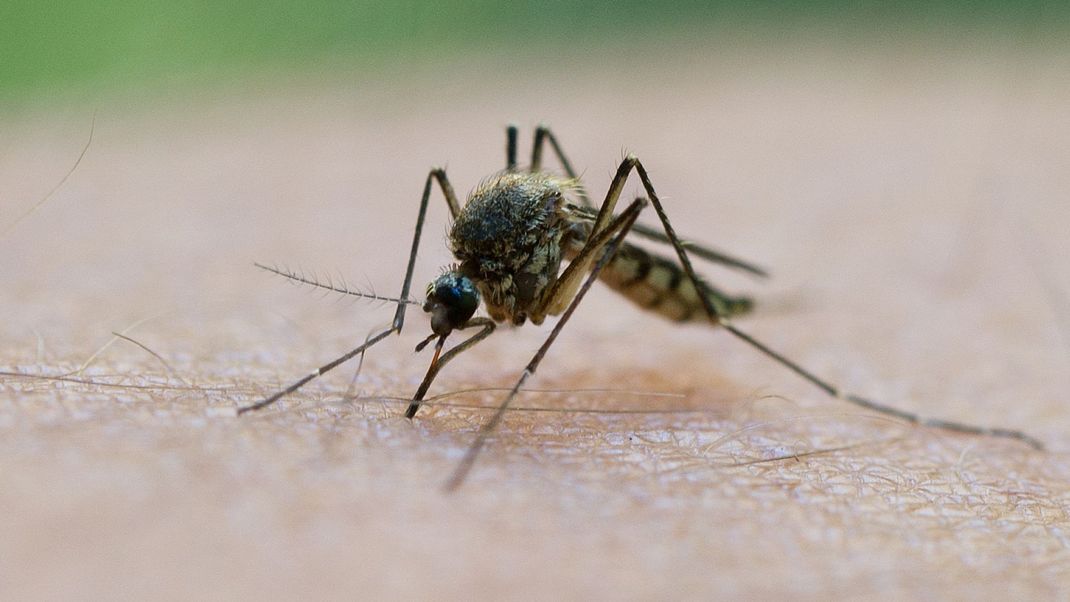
(910, 206)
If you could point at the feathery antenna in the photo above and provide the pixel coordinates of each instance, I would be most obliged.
(343, 288)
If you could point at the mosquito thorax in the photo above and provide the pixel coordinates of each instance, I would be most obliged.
(508, 240)
(452, 298)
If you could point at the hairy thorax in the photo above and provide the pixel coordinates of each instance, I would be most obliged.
(508, 240)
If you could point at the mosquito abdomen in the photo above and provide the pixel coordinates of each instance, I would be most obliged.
(659, 284)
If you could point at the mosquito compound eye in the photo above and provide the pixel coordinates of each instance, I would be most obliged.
(451, 301)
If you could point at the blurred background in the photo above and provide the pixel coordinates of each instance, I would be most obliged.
(900, 168)
(79, 51)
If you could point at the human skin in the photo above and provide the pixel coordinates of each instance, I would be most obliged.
(913, 232)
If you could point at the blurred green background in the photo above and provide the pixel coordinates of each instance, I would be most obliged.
(73, 49)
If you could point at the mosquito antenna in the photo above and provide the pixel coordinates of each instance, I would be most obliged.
(342, 289)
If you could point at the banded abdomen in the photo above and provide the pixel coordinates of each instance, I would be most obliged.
(659, 284)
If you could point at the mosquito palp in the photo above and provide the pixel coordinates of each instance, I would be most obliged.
(530, 244)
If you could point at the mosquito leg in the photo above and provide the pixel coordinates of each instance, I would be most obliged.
(632, 162)
(320, 371)
(543, 135)
(564, 288)
(708, 253)
(437, 174)
(486, 328)
(694, 248)
(607, 243)
(510, 147)
(910, 417)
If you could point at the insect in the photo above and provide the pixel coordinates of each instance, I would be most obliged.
(510, 240)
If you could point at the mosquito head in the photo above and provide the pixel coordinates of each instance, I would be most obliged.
(451, 300)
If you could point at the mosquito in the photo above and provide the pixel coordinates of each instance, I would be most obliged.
(510, 240)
